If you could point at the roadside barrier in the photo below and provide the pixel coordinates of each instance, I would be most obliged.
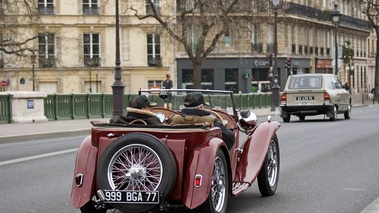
(5, 108)
(99, 105)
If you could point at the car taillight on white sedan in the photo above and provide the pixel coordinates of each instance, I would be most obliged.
(283, 99)
(326, 98)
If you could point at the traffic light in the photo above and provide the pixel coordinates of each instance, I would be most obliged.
(288, 63)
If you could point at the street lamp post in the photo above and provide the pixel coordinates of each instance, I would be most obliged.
(118, 86)
(351, 71)
(276, 4)
(336, 17)
(33, 59)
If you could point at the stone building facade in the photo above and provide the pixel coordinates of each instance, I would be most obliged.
(76, 47)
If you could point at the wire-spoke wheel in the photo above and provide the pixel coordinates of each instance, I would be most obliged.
(218, 195)
(137, 162)
(269, 175)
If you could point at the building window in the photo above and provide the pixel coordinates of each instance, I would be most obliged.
(260, 80)
(46, 7)
(1, 53)
(193, 36)
(149, 8)
(255, 39)
(154, 50)
(1, 7)
(46, 50)
(90, 7)
(154, 84)
(231, 79)
(206, 78)
(227, 39)
(270, 38)
(91, 49)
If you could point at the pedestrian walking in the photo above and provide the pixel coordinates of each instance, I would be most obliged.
(167, 84)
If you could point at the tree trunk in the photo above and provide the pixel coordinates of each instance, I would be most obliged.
(197, 76)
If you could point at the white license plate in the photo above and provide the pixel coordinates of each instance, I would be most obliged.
(135, 197)
(305, 98)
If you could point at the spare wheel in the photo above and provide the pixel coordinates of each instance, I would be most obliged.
(137, 162)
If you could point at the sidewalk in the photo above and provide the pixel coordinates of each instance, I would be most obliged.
(43, 130)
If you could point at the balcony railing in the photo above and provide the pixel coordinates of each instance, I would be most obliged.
(46, 10)
(91, 10)
(270, 48)
(154, 62)
(323, 15)
(47, 62)
(92, 62)
(257, 47)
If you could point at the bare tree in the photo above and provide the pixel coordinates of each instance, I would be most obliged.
(197, 25)
(371, 9)
(17, 22)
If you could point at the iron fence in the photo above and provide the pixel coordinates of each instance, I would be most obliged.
(99, 105)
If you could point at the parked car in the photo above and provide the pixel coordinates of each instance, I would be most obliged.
(139, 167)
(314, 94)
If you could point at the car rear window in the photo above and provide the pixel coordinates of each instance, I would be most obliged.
(305, 82)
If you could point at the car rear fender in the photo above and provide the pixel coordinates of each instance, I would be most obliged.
(201, 162)
(85, 167)
(254, 151)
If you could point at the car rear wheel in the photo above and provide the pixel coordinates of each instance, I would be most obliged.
(287, 118)
(333, 116)
(268, 177)
(218, 195)
(347, 113)
(137, 162)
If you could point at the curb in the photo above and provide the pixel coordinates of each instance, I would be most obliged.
(44, 135)
(372, 208)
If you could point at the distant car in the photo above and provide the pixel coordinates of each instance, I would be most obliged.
(314, 94)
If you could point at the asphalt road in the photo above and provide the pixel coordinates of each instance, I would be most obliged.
(325, 167)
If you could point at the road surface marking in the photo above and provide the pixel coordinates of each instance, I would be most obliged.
(18, 160)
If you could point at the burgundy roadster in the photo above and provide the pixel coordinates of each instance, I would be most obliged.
(133, 166)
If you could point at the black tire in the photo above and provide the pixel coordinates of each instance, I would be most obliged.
(268, 177)
(287, 119)
(148, 155)
(347, 113)
(218, 195)
(90, 208)
(333, 117)
(302, 117)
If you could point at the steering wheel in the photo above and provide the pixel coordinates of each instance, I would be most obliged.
(218, 116)
(138, 121)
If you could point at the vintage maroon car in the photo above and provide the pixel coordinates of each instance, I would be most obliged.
(138, 167)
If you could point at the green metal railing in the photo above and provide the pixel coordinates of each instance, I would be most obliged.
(89, 105)
(6, 108)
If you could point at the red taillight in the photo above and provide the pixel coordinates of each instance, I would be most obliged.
(198, 180)
(283, 99)
(326, 98)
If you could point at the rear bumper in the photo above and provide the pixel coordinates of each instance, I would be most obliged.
(306, 110)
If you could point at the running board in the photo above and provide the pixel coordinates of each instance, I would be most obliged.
(239, 187)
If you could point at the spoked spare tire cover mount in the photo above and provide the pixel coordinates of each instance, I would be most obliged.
(135, 172)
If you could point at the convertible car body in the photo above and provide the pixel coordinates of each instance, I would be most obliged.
(138, 167)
